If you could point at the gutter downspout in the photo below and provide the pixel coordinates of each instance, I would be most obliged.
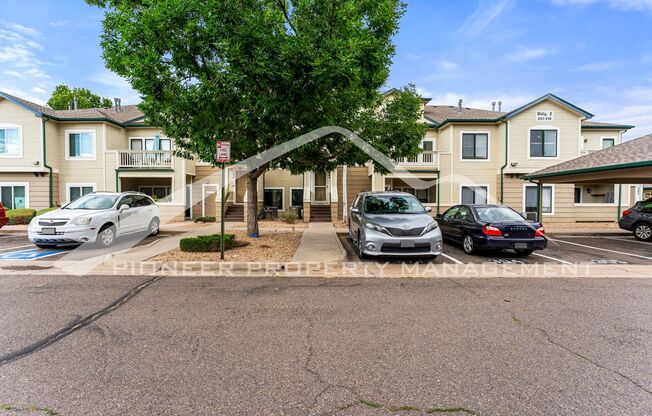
(620, 200)
(116, 180)
(45, 162)
(438, 188)
(502, 168)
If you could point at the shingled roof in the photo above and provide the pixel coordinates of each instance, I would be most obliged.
(633, 153)
(441, 113)
(127, 113)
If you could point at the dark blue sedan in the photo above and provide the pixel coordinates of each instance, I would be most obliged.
(491, 227)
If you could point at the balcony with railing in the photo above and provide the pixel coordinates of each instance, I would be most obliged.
(145, 159)
(425, 158)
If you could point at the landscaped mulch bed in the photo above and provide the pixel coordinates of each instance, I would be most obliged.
(269, 247)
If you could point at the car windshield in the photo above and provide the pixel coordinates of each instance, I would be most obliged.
(393, 204)
(92, 202)
(497, 214)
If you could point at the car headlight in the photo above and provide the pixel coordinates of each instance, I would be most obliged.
(82, 220)
(430, 227)
(375, 227)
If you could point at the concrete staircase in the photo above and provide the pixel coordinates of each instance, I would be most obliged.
(234, 213)
(320, 213)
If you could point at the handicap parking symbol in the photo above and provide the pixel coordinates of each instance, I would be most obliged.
(30, 254)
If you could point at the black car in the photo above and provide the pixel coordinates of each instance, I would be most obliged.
(491, 227)
(639, 220)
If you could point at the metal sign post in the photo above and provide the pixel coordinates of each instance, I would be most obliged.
(223, 156)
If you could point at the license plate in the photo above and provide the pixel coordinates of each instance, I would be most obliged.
(520, 245)
(48, 231)
(407, 243)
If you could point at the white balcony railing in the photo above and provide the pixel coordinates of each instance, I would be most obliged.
(424, 158)
(145, 158)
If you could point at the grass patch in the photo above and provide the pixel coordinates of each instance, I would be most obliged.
(31, 409)
(371, 404)
(518, 321)
(403, 408)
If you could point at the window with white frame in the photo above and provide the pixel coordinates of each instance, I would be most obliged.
(149, 143)
(10, 141)
(475, 146)
(543, 143)
(428, 147)
(13, 195)
(608, 142)
(80, 145)
(76, 190)
(531, 198)
(474, 195)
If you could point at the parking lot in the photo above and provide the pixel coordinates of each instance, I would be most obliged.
(16, 247)
(562, 249)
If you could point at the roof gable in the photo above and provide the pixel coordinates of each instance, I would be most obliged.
(553, 98)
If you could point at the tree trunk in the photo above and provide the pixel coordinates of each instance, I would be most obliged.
(252, 204)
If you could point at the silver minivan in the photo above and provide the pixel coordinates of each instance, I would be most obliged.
(393, 224)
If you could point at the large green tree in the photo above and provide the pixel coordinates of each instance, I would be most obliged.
(62, 96)
(261, 72)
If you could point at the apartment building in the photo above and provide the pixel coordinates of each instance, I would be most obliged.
(49, 157)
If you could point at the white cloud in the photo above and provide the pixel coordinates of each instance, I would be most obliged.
(115, 86)
(22, 94)
(483, 16)
(63, 23)
(13, 74)
(39, 90)
(598, 66)
(448, 65)
(527, 54)
(25, 30)
(629, 5)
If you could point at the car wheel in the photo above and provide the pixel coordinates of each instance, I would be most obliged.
(106, 236)
(468, 245)
(523, 252)
(643, 232)
(154, 227)
(361, 254)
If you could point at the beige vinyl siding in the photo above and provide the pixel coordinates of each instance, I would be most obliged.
(593, 139)
(205, 175)
(280, 178)
(567, 123)
(38, 192)
(357, 180)
(116, 137)
(30, 130)
(54, 145)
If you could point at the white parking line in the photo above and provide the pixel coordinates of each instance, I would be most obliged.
(453, 259)
(552, 258)
(632, 240)
(601, 249)
(16, 248)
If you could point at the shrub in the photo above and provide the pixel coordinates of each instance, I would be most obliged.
(289, 217)
(45, 210)
(20, 215)
(205, 219)
(206, 243)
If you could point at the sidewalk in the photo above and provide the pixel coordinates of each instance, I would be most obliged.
(319, 244)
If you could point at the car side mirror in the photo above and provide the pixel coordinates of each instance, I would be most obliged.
(428, 209)
(355, 211)
(439, 216)
(123, 207)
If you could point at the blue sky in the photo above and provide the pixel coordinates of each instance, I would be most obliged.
(594, 53)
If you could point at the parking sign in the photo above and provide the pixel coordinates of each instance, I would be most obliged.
(223, 153)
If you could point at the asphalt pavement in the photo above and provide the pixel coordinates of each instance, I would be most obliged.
(113, 345)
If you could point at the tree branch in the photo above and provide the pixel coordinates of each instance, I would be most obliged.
(283, 6)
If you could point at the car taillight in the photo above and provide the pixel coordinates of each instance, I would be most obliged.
(540, 232)
(492, 231)
(627, 212)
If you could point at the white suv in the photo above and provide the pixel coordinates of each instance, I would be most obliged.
(96, 217)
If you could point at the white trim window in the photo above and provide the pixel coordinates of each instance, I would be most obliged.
(274, 198)
(474, 194)
(77, 190)
(80, 144)
(474, 146)
(547, 199)
(543, 143)
(14, 194)
(150, 143)
(608, 142)
(11, 140)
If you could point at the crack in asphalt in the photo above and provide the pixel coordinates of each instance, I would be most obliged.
(30, 409)
(555, 343)
(75, 326)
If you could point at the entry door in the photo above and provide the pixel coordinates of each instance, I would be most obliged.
(189, 201)
(240, 189)
(321, 188)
